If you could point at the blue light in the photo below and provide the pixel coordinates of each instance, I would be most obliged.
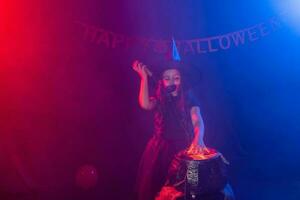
(290, 12)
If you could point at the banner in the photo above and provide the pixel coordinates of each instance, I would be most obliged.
(109, 39)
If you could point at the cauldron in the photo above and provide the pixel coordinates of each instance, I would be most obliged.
(205, 176)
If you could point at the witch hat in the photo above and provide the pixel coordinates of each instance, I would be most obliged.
(175, 53)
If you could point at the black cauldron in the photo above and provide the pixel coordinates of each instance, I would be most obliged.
(205, 177)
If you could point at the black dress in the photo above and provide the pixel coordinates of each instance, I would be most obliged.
(173, 132)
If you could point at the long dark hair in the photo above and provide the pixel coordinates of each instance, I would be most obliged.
(163, 98)
(179, 110)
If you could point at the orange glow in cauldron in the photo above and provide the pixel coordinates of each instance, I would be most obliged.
(207, 154)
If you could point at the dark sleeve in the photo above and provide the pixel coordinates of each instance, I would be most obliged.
(191, 100)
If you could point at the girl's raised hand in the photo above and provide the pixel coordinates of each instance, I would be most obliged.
(141, 69)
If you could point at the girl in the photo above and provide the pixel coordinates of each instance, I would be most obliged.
(178, 126)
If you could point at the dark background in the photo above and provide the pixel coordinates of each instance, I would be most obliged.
(66, 102)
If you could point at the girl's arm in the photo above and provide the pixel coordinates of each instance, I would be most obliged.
(145, 101)
(197, 145)
(198, 126)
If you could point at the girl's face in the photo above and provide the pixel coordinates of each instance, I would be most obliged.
(172, 77)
